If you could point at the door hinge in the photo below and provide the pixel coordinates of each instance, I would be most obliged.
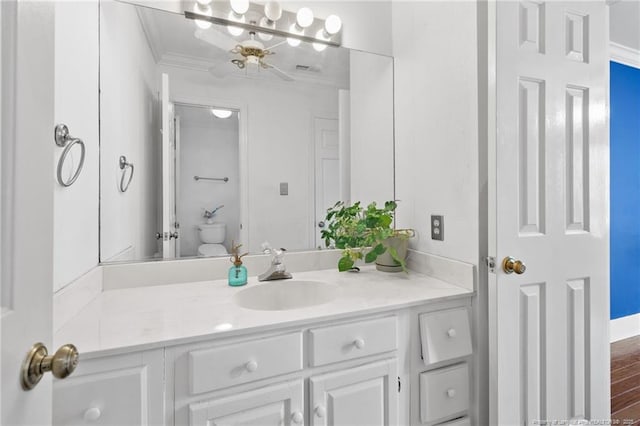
(399, 385)
(491, 264)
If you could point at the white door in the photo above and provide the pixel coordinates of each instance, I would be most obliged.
(276, 405)
(169, 233)
(549, 325)
(360, 396)
(327, 170)
(26, 258)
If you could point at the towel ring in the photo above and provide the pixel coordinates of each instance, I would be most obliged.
(63, 139)
(124, 165)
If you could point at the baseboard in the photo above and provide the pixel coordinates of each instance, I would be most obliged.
(625, 327)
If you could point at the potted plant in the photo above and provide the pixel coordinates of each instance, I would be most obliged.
(367, 233)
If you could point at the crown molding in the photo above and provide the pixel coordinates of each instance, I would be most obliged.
(624, 55)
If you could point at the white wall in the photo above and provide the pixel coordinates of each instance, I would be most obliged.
(436, 110)
(280, 136)
(209, 147)
(129, 126)
(371, 141)
(76, 105)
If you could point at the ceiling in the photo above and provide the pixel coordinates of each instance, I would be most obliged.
(172, 40)
(624, 27)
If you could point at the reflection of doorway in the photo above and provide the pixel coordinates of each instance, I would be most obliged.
(209, 150)
(327, 170)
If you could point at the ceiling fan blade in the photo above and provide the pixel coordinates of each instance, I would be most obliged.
(270, 48)
(216, 38)
(277, 71)
(223, 69)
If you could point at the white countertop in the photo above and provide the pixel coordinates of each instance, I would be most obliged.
(123, 320)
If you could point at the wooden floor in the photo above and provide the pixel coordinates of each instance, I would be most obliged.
(625, 381)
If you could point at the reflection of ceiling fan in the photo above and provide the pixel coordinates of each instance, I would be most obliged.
(252, 52)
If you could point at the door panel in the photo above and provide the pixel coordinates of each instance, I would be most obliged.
(26, 203)
(338, 398)
(551, 211)
(327, 170)
(277, 405)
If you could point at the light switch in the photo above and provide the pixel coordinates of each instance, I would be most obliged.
(284, 188)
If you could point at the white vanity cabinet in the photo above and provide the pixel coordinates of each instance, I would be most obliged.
(408, 366)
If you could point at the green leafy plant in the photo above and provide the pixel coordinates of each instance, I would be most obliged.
(361, 232)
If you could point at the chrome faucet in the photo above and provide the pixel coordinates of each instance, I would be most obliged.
(277, 270)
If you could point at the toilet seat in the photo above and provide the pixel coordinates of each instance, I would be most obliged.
(212, 250)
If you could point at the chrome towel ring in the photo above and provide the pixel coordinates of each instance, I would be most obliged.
(63, 139)
(124, 165)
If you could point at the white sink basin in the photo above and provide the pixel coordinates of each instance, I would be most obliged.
(284, 295)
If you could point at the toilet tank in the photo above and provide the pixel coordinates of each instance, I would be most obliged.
(212, 233)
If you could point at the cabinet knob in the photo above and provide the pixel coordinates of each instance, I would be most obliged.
(320, 411)
(358, 343)
(451, 332)
(451, 393)
(251, 366)
(92, 414)
(297, 417)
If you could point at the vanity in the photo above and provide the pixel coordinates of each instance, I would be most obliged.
(382, 349)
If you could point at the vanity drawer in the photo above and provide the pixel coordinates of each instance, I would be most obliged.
(445, 335)
(353, 340)
(225, 366)
(444, 393)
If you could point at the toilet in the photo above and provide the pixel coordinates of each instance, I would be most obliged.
(212, 236)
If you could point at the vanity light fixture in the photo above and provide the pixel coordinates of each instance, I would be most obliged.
(268, 19)
(202, 9)
(221, 113)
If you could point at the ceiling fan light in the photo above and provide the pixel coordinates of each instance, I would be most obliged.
(319, 47)
(333, 24)
(222, 113)
(294, 42)
(235, 31)
(304, 17)
(240, 7)
(202, 9)
(273, 11)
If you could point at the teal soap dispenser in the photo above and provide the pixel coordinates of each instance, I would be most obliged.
(238, 272)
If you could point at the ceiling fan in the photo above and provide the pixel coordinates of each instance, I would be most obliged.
(251, 51)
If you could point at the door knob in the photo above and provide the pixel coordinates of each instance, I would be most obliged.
(38, 361)
(173, 235)
(510, 265)
(321, 224)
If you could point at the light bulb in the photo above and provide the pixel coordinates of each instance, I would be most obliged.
(320, 46)
(204, 2)
(304, 17)
(294, 42)
(222, 113)
(239, 6)
(202, 10)
(235, 31)
(266, 23)
(273, 10)
(333, 24)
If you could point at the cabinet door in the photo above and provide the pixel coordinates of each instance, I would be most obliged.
(366, 395)
(277, 405)
(115, 390)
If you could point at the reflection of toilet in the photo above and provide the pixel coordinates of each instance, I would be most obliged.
(212, 235)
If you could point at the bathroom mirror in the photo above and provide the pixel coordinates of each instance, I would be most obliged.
(259, 152)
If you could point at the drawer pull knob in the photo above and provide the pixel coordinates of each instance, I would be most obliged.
(451, 332)
(297, 417)
(92, 414)
(358, 343)
(451, 393)
(251, 366)
(320, 411)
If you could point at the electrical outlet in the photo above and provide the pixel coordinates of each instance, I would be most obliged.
(437, 227)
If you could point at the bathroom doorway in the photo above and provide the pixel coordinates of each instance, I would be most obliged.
(207, 177)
